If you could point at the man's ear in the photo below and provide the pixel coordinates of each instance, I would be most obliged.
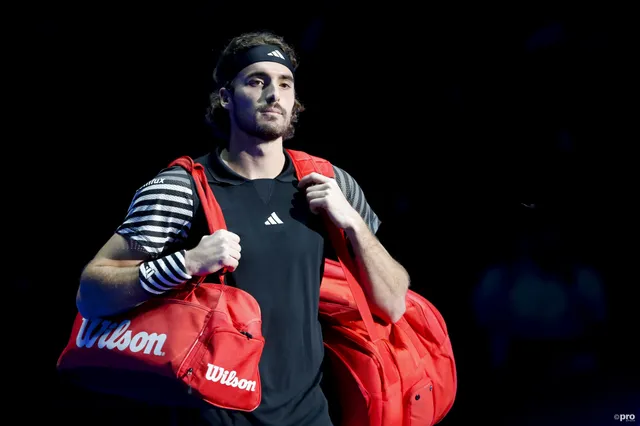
(225, 97)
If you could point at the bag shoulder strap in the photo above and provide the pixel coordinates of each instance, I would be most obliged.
(304, 165)
(212, 209)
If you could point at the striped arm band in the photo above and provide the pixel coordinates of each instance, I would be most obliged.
(166, 273)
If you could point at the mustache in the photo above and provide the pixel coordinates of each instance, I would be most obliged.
(273, 107)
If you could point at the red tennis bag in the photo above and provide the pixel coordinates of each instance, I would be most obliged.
(200, 343)
(400, 374)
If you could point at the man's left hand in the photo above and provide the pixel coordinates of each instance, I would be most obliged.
(324, 194)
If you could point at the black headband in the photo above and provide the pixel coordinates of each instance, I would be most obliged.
(240, 60)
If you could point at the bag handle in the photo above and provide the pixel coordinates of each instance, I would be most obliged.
(212, 210)
(305, 164)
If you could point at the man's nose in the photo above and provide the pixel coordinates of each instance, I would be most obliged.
(273, 94)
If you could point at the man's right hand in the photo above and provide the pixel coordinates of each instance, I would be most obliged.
(214, 252)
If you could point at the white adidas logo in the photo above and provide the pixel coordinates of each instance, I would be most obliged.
(273, 220)
(276, 53)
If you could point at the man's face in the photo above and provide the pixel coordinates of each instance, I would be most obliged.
(262, 100)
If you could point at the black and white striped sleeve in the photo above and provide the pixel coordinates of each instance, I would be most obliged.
(158, 220)
(354, 194)
(160, 214)
(163, 274)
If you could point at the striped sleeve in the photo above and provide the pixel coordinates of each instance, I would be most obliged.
(161, 212)
(164, 274)
(354, 194)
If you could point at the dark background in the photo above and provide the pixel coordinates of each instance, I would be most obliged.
(448, 119)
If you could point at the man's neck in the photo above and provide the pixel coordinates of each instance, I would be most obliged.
(254, 159)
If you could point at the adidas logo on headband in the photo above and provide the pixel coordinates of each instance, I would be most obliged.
(276, 53)
(263, 52)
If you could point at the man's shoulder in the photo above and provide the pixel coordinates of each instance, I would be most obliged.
(168, 179)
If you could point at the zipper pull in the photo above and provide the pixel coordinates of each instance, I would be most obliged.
(189, 373)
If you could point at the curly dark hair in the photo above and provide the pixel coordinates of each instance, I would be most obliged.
(216, 115)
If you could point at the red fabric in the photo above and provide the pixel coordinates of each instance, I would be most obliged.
(384, 374)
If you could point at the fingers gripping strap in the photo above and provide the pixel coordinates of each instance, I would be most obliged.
(305, 164)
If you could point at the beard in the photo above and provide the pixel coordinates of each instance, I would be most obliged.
(263, 127)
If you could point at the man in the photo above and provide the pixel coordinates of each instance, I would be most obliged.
(275, 243)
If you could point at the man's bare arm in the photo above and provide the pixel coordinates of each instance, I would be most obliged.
(384, 280)
(109, 284)
(113, 282)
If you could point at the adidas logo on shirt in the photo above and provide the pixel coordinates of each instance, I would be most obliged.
(273, 219)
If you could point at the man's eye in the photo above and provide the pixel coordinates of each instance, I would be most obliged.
(254, 83)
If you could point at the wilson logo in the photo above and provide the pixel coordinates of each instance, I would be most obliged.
(228, 378)
(116, 335)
